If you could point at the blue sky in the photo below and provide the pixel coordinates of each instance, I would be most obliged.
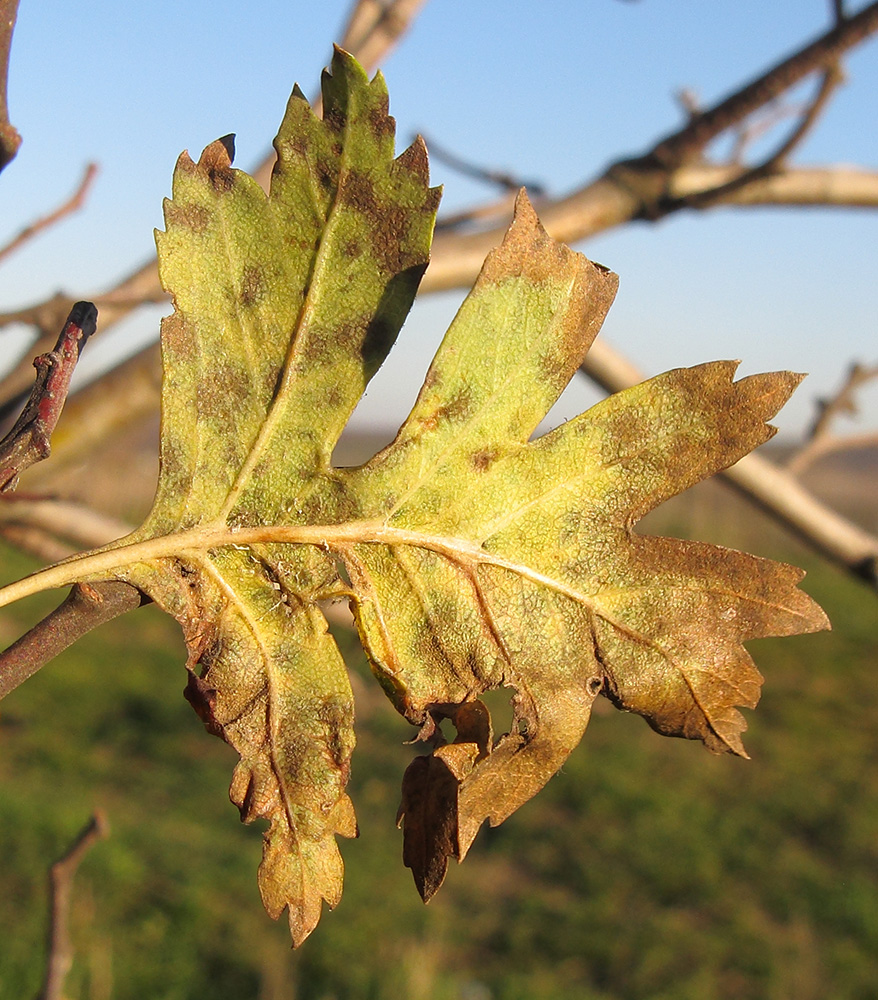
(551, 90)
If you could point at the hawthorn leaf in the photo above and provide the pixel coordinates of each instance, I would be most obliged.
(474, 555)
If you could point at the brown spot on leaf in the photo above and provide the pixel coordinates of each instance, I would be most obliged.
(326, 174)
(252, 285)
(222, 181)
(358, 191)
(381, 123)
(483, 460)
(194, 217)
(228, 392)
(458, 408)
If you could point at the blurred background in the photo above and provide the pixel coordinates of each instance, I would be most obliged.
(646, 868)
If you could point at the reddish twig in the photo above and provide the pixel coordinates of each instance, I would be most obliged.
(73, 204)
(61, 874)
(29, 441)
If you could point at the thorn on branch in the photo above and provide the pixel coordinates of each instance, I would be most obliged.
(29, 441)
(60, 949)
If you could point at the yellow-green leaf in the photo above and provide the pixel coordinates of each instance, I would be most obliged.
(474, 557)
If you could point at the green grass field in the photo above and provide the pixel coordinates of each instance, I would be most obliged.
(646, 869)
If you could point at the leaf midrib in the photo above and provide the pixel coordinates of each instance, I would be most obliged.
(334, 538)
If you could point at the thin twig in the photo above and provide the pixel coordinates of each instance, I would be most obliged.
(10, 140)
(36, 542)
(86, 607)
(669, 177)
(828, 83)
(829, 444)
(375, 27)
(46, 316)
(60, 957)
(107, 407)
(844, 400)
(820, 440)
(502, 207)
(689, 141)
(73, 204)
(499, 178)
(29, 441)
(751, 130)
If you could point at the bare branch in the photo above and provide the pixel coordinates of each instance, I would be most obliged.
(820, 440)
(10, 140)
(29, 441)
(631, 189)
(86, 607)
(609, 201)
(61, 874)
(844, 400)
(499, 208)
(689, 141)
(829, 444)
(830, 80)
(73, 204)
(36, 542)
(375, 27)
